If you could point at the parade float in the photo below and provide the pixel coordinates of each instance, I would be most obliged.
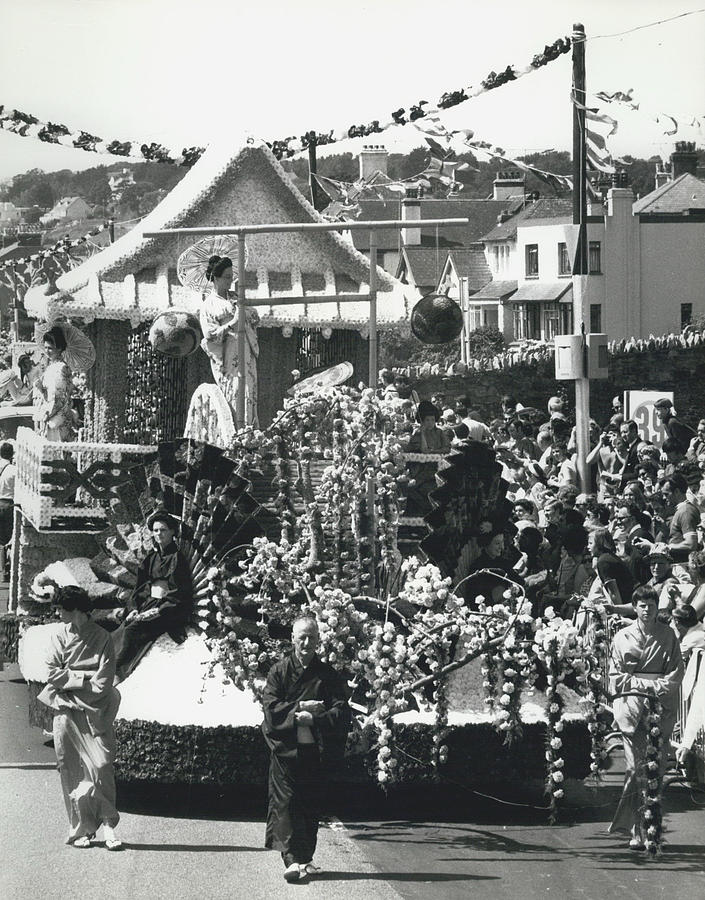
(322, 510)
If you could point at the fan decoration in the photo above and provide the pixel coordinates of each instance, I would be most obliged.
(471, 497)
(436, 319)
(79, 354)
(328, 378)
(176, 333)
(192, 264)
(199, 485)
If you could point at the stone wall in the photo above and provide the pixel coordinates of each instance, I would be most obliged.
(677, 369)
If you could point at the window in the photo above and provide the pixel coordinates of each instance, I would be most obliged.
(686, 314)
(495, 253)
(595, 258)
(551, 321)
(563, 260)
(532, 260)
(520, 323)
(596, 317)
(482, 315)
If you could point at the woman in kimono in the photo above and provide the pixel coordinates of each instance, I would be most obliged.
(53, 415)
(645, 657)
(80, 691)
(161, 601)
(219, 323)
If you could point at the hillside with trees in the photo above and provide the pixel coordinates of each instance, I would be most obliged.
(152, 180)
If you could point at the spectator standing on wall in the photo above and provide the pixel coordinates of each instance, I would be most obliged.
(683, 433)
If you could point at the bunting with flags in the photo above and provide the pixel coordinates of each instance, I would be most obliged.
(27, 125)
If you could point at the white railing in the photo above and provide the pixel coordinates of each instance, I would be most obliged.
(689, 730)
(67, 486)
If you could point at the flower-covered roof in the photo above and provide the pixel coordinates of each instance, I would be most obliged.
(135, 278)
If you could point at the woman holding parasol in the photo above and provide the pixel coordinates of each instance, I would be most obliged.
(213, 276)
(66, 349)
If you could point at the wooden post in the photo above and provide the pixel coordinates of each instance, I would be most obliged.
(580, 265)
(374, 368)
(111, 230)
(241, 334)
(312, 169)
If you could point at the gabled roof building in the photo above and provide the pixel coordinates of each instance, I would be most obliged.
(133, 280)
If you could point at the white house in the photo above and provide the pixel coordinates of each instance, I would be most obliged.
(68, 209)
(646, 261)
(9, 214)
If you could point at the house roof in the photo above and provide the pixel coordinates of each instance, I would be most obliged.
(549, 209)
(543, 292)
(470, 264)
(685, 193)
(481, 213)
(423, 264)
(495, 290)
(135, 278)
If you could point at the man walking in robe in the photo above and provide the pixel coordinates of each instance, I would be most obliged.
(306, 718)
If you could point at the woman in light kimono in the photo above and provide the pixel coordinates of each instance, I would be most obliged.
(645, 657)
(53, 415)
(219, 323)
(80, 691)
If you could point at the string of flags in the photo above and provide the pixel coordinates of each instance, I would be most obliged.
(28, 125)
(24, 272)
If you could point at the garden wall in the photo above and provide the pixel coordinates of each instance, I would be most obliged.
(678, 369)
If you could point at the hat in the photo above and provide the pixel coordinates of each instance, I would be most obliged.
(660, 551)
(685, 615)
(663, 403)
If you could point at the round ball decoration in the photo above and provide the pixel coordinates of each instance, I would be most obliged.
(175, 333)
(436, 319)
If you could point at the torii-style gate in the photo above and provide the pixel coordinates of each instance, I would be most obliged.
(242, 302)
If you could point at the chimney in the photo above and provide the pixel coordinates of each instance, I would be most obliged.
(620, 197)
(663, 174)
(508, 184)
(684, 159)
(411, 212)
(373, 158)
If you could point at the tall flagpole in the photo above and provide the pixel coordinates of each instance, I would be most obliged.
(580, 265)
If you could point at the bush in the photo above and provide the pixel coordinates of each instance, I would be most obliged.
(487, 340)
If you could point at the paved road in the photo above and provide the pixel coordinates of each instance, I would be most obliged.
(473, 847)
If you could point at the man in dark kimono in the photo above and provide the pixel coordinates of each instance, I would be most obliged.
(306, 718)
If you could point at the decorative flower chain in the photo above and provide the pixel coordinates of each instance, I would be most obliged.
(653, 782)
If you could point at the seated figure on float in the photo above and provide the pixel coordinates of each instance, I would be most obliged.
(161, 602)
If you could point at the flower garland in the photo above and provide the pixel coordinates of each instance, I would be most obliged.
(559, 647)
(27, 125)
(652, 811)
(596, 695)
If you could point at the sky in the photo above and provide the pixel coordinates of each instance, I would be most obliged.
(189, 73)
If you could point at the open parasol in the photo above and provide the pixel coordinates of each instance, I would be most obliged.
(79, 354)
(319, 381)
(192, 264)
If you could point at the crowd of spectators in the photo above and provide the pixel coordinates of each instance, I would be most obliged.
(642, 521)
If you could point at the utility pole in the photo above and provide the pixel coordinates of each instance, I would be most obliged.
(580, 264)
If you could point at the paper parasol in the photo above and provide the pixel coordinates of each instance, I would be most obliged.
(192, 264)
(331, 377)
(79, 354)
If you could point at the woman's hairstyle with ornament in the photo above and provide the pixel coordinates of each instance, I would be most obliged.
(217, 265)
(55, 337)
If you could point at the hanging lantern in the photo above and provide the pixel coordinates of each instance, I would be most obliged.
(175, 333)
(436, 319)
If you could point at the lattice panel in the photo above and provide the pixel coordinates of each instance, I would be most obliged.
(157, 396)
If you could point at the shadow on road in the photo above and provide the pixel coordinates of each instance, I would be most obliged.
(425, 877)
(194, 848)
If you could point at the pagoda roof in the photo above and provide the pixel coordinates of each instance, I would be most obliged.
(135, 278)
